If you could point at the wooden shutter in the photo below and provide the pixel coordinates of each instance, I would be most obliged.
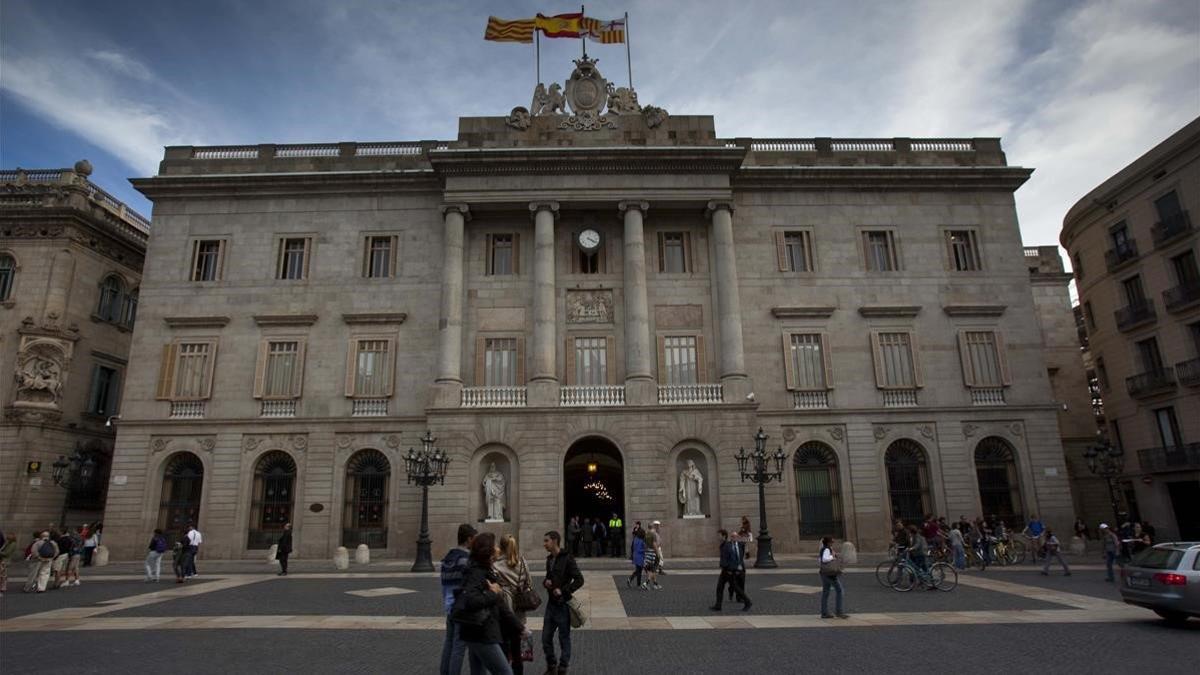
(487, 254)
(192, 276)
(390, 367)
(662, 253)
(166, 372)
(1002, 356)
(915, 345)
(366, 256)
(894, 250)
(701, 364)
(521, 379)
(827, 357)
(516, 253)
(964, 358)
(610, 364)
(351, 365)
(569, 361)
(662, 359)
(480, 360)
(260, 368)
(211, 369)
(221, 259)
(877, 356)
(781, 251)
(394, 258)
(308, 254)
(298, 371)
(689, 261)
(789, 365)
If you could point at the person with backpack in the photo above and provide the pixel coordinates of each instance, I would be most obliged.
(453, 570)
(154, 554)
(43, 551)
(563, 578)
(831, 577)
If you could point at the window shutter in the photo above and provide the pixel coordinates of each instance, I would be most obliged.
(877, 356)
(192, 275)
(781, 251)
(260, 368)
(480, 361)
(521, 379)
(894, 250)
(351, 365)
(394, 258)
(94, 395)
(789, 365)
(1002, 356)
(662, 253)
(689, 260)
(389, 375)
(918, 378)
(662, 358)
(610, 363)
(964, 357)
(366, 256)
(569, 361)
(211, 368)
(701, 363)
(114, 393)
(827, 357)
(298, 371)
(516, 253)
(166, 372)
(221, 260)
(308, 250)
(487, 254)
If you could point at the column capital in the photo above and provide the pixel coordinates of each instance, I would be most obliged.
(715, 206)
(458, 208)
(535, 207)
(625, 205)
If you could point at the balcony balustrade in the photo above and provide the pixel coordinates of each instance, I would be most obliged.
(592, 395)
(1119, 256)
(187, 410)
(1188, 372)
(369, 407)
(899, 398)
(1171, 457)
(1182, 296)
(810, 400)
(987, 396)
(1151, 383)
(1134, 315)
(285, 408)
(689, 394)
(493, 397)
(1171, 228)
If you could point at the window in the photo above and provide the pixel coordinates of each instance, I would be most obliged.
(1122, 244)
(1194, 334)
(1089, 315)
(818, 490)
(280, 369)
(679, 359)
(105, 391)
(794, 251)
(1168, 427)
(129, 305)
(272, 498)
(208, 260)
(111, 292)
(500, 362)
(983, 359)
(996, 474)
(1184, 267)
(1168, 206)
(879, 248)
(1102, 372)
(1077, 264)
(589, 263)
(908, 481)
(182, 490)
(369, 367)
(379, 259)
(186, 372)
(1148, 354)
(674, 252)
(293, 258)
(1134, 294)
(8, 274)
(806, 359)
(963, 250)
(503, 254)
(896, 364)
(365, 511)
(588, 361)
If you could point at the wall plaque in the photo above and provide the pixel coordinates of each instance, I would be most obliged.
(593, 306)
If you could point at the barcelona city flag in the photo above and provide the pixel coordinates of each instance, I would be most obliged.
(560, 25)
(503, 30)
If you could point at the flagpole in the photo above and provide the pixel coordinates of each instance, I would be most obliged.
(537, 40)
(582, 40)
(628, 61)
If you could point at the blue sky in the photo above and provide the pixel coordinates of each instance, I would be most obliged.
(1075, 89)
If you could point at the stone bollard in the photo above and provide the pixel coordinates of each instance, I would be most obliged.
(100, 556)
(271, 554)
(1078, 546)
(849, 553)
(362, 555)
(341, 558)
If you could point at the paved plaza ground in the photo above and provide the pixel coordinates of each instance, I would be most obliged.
(241, 618)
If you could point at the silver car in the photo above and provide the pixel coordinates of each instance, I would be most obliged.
(1165, 578)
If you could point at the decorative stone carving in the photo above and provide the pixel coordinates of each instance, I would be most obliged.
(969, 430)
(926, 430)
(300, 443)
(587, 90)
(41, 370)
(1016, 428)
(251, 443)
(519, 118)
(593, 306)
(691, 486)
(494, 491)
(654, 116)
(158, 444)
(880, 431)
(836, 433)
(207, 444)
(789, 434)
(622, 101)
(547, 102)
(344, 442)
(392, 441)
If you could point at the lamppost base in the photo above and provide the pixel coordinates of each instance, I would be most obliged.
(765, 558)
(424, 560)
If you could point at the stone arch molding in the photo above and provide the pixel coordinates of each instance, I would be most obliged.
(507, 465)
(289, 443)
(202, 446)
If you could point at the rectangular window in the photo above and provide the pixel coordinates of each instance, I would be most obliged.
(1148, 354)
(280, 369)
(501, 254)
(794, 251)
(983, 361)
(895, 361)
(104, 395)
(379, 259)
(1119, 234)
(1168, 206)
(879, 248)
(193, 370)
(963, 250)
(1116, 434)
(589, 263)
(372, 367)
(807, 362)
(1101, 372)
(293, 258)
(1194, 334)
(1088, 315)
(208, 260)
(680, 360)
(1184, 267)
(500, 362)
(1168, 427)
(673, 254)
(1134, 295)
(591, 361)
(1077, 263)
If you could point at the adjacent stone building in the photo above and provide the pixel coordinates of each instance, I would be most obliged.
(70, 268)
(1134, 252)
(583, 303)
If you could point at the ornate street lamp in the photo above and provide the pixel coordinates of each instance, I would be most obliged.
(72, 473)
(759, 472)
(425, 467)
(1107, 461)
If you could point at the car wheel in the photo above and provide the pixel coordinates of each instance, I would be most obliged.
(1173, 618)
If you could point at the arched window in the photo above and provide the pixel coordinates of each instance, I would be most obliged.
(818, 491)
(908, 481)
(999, 487)
(129, 308)
(272, 498)
(8, 274)
(183, 482)
(364, 516)
(111, 292)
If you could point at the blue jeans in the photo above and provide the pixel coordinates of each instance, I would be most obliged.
(836, 584)
(1110, 557)
(489, 657)
(558, 618)
(453, 650)
(960, 557)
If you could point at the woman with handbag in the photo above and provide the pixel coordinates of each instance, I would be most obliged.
(479, 607)
(831, 577)
(516, 585)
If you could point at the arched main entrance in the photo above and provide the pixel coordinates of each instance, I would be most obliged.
(999, 487)
(908, 481)
(364, 515)
(271, 498)
(818, 491)
(182, 486)
(593, 481)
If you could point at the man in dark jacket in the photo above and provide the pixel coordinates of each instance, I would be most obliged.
(732, 566)
(284, 548)
(563, 578)
(588, 537)
(453, 570)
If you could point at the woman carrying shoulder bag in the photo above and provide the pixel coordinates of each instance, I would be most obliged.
(479, 607)
(516, 587)
(831, 577)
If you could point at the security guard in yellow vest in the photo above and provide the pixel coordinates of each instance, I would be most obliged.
(616, 536)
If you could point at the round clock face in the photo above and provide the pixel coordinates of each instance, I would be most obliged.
(589, 240)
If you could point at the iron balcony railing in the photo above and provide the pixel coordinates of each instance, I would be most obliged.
(1182, 296)
(1171, 457)
(1135, 314)
(1188, 372)
(1151, 382)
(1119, 255)
(1170, 228)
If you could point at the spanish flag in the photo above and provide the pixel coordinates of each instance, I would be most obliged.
(502, 30)
(560, 25)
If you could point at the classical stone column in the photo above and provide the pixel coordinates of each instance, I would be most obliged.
(448, 385)
(543, 371)
(729, 310)
(640, 387)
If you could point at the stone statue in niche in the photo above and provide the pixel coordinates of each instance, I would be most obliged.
(494, 490)
(691, 486)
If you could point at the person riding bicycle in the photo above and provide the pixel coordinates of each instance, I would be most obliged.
(1034, 531)
(918, 553)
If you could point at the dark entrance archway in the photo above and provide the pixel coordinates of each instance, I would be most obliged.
(593, 482)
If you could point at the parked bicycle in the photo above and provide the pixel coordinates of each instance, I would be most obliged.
(940, 576)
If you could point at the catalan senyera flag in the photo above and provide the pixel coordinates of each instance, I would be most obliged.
(604, 32)
(503, 30)
(559, 25)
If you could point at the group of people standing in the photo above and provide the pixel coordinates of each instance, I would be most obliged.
(55, 556)
(593, 538)
(183, 554)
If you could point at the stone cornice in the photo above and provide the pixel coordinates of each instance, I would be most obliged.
(891, 311)
(941, 178)
(196, 321)
(285, 319)
(576, 160)
(813, 312)
(292, 183)
(974, 310)
(374, 318)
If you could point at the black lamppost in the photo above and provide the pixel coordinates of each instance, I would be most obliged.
(1107, 461)
(760, 473)
(425, 467)
(72, 473)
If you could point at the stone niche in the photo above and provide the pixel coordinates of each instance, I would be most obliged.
(693, 536)
(506, 464)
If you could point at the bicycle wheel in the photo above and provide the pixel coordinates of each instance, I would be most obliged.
(945, 577)
(891, 554)
(885, 573)
(906, 579)
(1018, 552)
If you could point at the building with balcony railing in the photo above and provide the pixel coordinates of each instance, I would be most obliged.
(1154, 350)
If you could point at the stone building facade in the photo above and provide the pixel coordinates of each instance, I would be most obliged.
(586, 302)
(1134, 252)
(70, 267)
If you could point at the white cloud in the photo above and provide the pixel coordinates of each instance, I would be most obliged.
(122, 64)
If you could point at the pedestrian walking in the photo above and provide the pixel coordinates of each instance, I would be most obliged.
(563, 578)
(91, 539)
(75, 561)
(731, 563)
(179, 559)
(637, 556)
(42, 553)
(958, 546)
(574, 535)
(653, 554)
(154, 553)
(514, 578)
(453, 570)
(600, 540)
(1112, 545)
(589, 537)
(616, 536)
(478, 609)
(9, 548)
(283, 548)
(59, 570)
(1052, 551)
(831, 577)
(192, 547)
(1034, 531)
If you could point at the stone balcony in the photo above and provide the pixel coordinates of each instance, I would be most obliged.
(1117, 257)
(1151, 383)
(1170, 458)
(369, 407)
(1135, 315)
(689, 394)
(278, 408)
(899, 398)
(494, 397)
(1181, 297)
(590, 395)
(1170, 229)
(187, 410)
(810, 400)
(984, 396)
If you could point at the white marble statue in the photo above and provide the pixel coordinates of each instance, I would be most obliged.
(493, 491)
(691, 486)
